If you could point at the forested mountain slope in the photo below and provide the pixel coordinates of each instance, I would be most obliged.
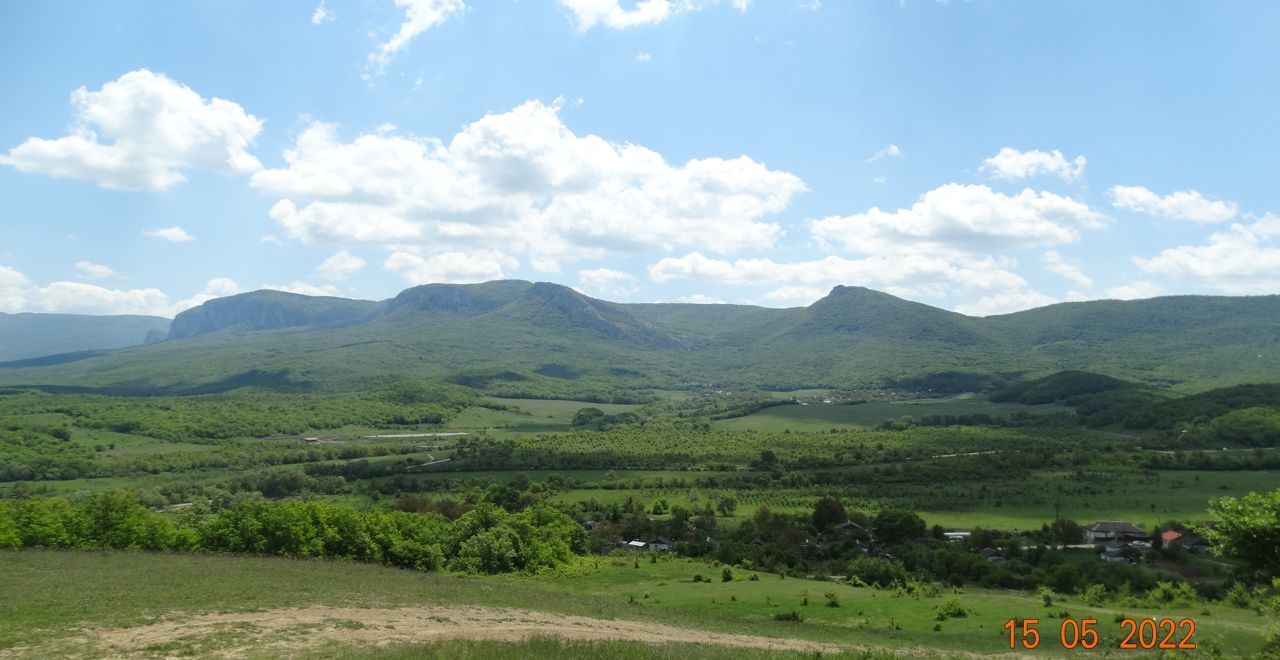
(520, 337)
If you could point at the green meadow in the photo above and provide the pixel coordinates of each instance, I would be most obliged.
(45, 609)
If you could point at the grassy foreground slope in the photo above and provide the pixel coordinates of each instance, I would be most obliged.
(164, 605)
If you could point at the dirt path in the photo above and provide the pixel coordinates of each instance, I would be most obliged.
(280, 632)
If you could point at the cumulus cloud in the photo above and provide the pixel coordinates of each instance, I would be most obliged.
(218, 287)
(140, 132)
(891, 151)
(419, 16)
(1242, 259)
(1012, 164)
(1006, 302)
(643, 56)
(321, 15)
(741, 5)
(1181, 205)
(606, 281)
(1059, 265)
(520, 183)
(304, 288)
(1134, 291)
(701, 299)
(795, 296)
(171, 234)
(340, 266)
(962, 219)
(453, 267)
(19, 294)
(87, 270)
(899, 274)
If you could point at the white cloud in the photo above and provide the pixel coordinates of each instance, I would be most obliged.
(891, 151)
(1134, 291)
(741, 5)
(644, 56)
(899, 274)
(141, 132)
(521, 183)
(19, 294)
(1057, 264)
(1006, 302)
(171, 234)
(1242, 259)
(879, 180)
(1181, 205)
(453, 267)
(1012, 164)
(606, 281)
(701, 299)
(420, 16)
(81, 298)
(962, 219)
(340, 266)
(811, 5)
(87, 270)
(795, 296)
(321, 15)
(218, 287)
(610, 13)
(304, 288)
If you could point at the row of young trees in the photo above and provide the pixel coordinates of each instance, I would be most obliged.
(486, 539)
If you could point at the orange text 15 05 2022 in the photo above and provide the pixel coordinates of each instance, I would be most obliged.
(1165, 633)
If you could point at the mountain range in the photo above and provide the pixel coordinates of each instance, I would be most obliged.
(24, 336)
(525, 338)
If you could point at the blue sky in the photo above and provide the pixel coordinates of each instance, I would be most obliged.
(983, 156)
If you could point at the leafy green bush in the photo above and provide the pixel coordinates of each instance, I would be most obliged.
(953, 608)
(878, 572)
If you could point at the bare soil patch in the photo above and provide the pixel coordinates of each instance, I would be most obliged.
(285, 631)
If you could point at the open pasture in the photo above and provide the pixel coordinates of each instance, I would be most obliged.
(822, 417)
(45, 613)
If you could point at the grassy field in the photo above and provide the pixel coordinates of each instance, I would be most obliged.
(528, 416)
(821, 417)
(552, 647)
(46, 610)
(1178, 495)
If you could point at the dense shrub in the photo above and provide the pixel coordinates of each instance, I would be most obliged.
(485, 540)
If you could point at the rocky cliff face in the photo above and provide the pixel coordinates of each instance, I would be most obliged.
(453, 298)
(555, 305)
(271, 310)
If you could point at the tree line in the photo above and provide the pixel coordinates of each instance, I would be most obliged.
(486, 539)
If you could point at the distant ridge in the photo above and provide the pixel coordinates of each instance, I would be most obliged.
(25, 336)
(511, 334)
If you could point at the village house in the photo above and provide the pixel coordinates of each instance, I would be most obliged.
(1116, 553)
(847, 528)
(1187, 540)
(1113, 532)
(660, 544)
(993, 555)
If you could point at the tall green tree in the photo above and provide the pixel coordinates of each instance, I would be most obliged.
(1248, 528)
